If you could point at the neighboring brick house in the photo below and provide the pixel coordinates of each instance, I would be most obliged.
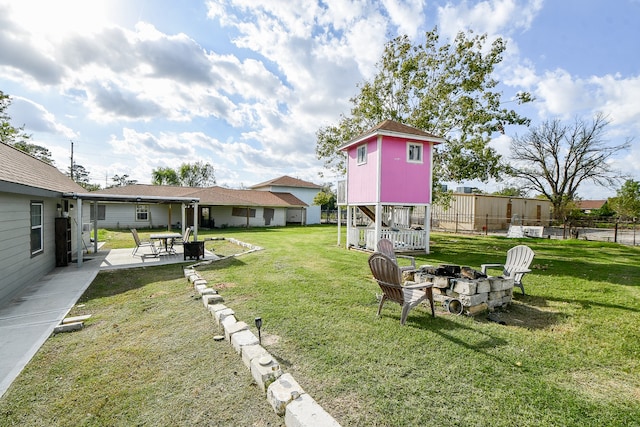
(303, 190)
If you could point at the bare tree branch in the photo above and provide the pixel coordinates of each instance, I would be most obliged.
(556, 159)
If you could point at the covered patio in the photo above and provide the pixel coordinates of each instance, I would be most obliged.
(91, 200)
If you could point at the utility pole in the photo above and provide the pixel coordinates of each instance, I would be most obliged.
(71, 170)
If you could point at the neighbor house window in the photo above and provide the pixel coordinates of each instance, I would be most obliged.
(36, 227)
(243, 212)
(362, 154)
(414, 152)
(102, 212)
(142, 212)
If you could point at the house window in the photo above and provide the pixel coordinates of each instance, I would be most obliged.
(102, 212)
(362, 154)
(36, 228)
(414, 152)
(142, 212)
(243, 212)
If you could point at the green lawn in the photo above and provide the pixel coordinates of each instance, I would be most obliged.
(568, 355)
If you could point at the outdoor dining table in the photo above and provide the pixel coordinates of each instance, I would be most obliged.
(165, 238)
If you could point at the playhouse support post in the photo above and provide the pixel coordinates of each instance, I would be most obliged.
(378, 223)
(427, 227)
(349, 225)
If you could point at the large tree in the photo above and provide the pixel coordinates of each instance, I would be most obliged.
(17, 137)
(626, 204)
(446, 89)
(198, 174)
(122, 180)
(81, 176)
(165, 176)
(555, 159)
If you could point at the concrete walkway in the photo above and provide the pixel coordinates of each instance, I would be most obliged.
(29, 319)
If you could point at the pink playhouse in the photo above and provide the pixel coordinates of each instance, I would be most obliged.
(389, 174)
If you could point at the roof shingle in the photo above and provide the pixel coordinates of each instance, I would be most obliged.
(21, 168)
(286, 181)
(215, 196)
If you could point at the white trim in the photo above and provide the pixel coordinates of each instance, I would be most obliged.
(432, 139)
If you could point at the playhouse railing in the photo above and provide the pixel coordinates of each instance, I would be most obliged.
(402, 239)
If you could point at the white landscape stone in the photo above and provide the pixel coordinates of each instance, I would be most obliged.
(282, 391)
(305, 412)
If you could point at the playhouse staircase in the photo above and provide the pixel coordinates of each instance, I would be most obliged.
(370, 214)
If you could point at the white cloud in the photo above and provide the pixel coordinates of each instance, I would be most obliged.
(560, 94)
(408, 16)
(36, 117)
(494, 17)
(618, 98)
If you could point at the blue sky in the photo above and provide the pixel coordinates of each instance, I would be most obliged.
(245, 84)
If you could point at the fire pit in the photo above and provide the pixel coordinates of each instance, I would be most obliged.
(463, 289)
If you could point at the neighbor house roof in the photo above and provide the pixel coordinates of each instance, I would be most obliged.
(21, 172)
(591, 204)
(393, 128)
(215, 196)
(286, 181)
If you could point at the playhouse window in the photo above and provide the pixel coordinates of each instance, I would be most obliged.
(362, 154)
(414, 152)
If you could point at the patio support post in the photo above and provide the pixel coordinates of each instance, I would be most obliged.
(183, 216)
(195, 221)
(95, 227)
(79, 241)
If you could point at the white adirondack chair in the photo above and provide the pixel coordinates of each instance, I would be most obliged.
(517, 264)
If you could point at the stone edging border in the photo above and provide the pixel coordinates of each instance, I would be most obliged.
(282, 391)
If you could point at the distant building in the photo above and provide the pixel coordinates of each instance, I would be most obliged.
(588, 206)
(303, 190)
(482, 212)
(217, 207)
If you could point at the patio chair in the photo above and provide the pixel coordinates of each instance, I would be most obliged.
(389, 278)
(184, 239)
(385, 246)
(516, 266)
(140, 243)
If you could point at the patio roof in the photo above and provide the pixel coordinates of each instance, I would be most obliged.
(101, 197)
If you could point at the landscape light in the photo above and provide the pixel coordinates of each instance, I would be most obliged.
(259, 325)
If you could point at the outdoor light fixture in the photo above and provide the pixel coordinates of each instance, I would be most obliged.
(259, 325)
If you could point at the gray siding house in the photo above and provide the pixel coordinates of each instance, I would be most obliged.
(216, 207)
(31, 198)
